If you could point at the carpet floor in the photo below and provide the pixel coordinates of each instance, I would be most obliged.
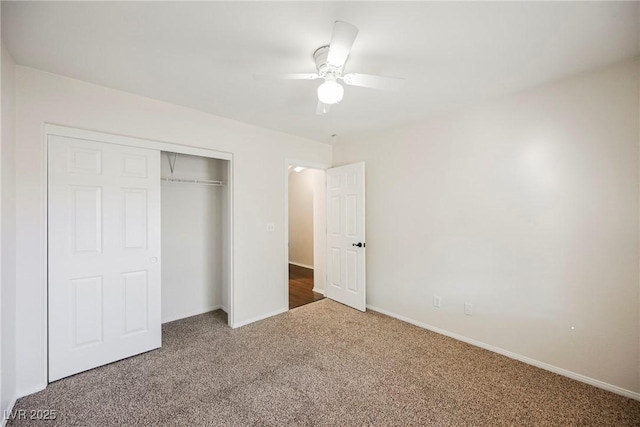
(321, 364)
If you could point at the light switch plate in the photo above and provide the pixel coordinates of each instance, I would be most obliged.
(437, 301)
(468, 309)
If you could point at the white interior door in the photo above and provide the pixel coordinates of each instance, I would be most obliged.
(346, 247)
(104, 253)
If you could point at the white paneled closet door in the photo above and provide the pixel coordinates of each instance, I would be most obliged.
(104, 253)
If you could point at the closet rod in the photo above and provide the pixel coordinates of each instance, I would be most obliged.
(194, 181)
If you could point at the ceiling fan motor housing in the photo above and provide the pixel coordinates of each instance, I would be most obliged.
(324, 68)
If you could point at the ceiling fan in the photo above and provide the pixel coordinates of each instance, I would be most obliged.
(330, 61)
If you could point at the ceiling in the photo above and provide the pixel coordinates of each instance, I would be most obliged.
(203, 54)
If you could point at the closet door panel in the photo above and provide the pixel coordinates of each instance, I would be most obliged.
(104, 253)
(134, 214)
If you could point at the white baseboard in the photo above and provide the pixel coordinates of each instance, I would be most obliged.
(35, 389)
(6, 411)
(191, 313)
(318, 290)
(299, 264)
(560, 371)
(255, 319)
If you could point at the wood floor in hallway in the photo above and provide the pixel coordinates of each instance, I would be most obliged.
(301, 286)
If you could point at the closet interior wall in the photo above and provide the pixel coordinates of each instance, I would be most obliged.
(194, 242)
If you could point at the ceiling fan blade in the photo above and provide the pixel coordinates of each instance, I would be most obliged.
(342, 39)
(287, 76)
(373, 82)
(322, 108)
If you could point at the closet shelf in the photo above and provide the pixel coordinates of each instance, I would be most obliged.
(194, 181)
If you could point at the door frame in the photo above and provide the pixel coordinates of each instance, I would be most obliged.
(308, 165)
(109, 138)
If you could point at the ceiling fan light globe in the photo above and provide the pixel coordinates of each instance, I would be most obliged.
(330, 92)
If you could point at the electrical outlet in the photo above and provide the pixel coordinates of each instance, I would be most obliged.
(468, 309)
(271, 226)
(437, 301)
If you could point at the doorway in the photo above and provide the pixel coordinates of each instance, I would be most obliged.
(338, 240)
(306, 234)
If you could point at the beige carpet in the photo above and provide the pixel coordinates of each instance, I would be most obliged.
(322, 364)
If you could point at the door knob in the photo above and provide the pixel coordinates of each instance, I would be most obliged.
(359, 244)
(154, 260)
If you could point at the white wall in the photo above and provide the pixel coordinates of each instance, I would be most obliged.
(526, 207)
(301, 217)
(192, 237)
(258, 192)
(8, 235)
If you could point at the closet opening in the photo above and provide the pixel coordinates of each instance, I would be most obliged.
(195, 235)
(306, 234)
